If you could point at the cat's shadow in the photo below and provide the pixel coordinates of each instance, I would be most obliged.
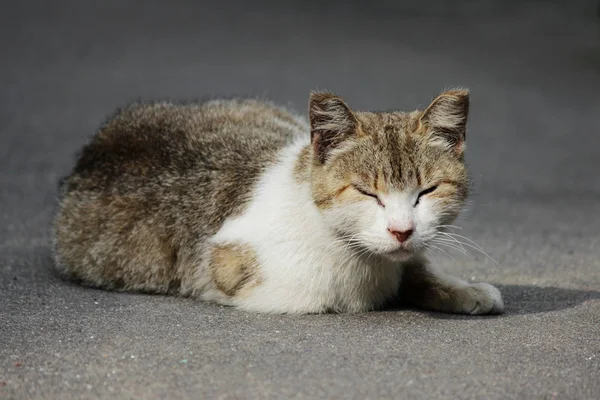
(529, 299)
(518, 299)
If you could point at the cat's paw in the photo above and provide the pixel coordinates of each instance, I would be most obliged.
(481, 298)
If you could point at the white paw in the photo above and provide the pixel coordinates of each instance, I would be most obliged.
(481, 298)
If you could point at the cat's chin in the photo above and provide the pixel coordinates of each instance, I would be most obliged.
(399, 254)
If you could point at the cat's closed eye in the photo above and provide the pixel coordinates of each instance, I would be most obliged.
(424, 193)
(369, 194)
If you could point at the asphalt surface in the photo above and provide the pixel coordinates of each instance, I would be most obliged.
(533, 149)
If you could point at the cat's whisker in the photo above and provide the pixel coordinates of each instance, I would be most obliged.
(449, 226)
(453, 238)
(453, 246)
(349, 242)
(366, 251)
(472, 244)
(440, 249)
(476, 247)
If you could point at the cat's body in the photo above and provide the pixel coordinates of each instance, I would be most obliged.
(233, 201)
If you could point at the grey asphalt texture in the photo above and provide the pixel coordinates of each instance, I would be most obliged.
(534, 154)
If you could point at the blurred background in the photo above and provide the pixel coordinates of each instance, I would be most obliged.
(533, 68)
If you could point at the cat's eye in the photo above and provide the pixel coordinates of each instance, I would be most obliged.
(364, 192)
(424, 193)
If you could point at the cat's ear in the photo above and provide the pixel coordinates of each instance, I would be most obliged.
(331, 123)
(445, 120)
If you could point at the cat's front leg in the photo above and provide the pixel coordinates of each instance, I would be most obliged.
(424, 287)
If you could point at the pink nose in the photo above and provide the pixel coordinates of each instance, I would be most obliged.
(402, 236)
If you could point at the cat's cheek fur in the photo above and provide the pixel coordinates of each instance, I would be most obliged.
(354, 220)
(427, 219)
(363, 225)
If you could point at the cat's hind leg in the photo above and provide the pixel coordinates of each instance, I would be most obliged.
(424, 287)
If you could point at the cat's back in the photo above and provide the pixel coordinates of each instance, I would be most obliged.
(155, 181)
(143, 142)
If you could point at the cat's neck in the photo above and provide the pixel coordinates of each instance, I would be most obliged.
(302, 164)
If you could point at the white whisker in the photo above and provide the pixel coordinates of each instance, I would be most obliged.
(476, 247)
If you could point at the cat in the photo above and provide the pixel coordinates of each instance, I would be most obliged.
(244, 203)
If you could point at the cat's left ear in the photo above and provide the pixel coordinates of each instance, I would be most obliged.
(331, 123)
(445, 120)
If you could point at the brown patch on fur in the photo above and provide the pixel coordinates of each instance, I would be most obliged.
(360, 131)
(341, 190)
(323, 202)
(234, 267)
(376, 182)
(379, 183)
(451, 182)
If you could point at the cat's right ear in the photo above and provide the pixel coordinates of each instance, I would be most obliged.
(331, 123)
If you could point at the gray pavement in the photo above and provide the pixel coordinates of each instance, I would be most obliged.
(534, 152)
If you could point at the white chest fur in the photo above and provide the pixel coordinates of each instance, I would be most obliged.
(303, 266)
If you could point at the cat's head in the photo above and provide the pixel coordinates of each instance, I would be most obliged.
(388, 181)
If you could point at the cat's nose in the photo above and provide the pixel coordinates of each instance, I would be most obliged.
(402, 236)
